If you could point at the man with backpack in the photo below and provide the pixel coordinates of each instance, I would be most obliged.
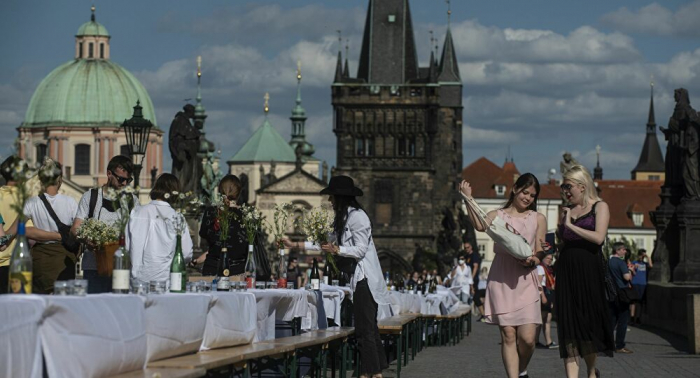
(94, 205)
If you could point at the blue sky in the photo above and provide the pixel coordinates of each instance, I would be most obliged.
(540, 76)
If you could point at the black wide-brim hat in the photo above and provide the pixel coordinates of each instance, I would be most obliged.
(342, 186)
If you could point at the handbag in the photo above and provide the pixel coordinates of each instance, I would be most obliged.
(627, 295)
(69, 242)
(500, 231)
(611, 291)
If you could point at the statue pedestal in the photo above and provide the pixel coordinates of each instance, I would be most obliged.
(666, 248)
(668, 307)
(688, 269)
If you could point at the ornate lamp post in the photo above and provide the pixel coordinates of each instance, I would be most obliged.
(137, 130)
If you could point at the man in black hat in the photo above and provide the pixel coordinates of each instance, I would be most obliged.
(356, 255)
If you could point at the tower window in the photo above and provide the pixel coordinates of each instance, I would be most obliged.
(401, 146)
(102, 50)
(41, 150)
(90, 51)
(359, 147)
(369, 143)
(82, 159)
(80, 50)
(411, 150)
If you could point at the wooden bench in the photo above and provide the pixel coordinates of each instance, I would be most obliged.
(452, 325)
(164, 373)
(263, 353)
(399, 329)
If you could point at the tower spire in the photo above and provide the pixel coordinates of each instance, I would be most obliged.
(598, 171)
(346, 70)
(298, 119)
(92, 17)
(449, 12)
(651, 123)
(449, 69)
(266, 108)
(339, 64)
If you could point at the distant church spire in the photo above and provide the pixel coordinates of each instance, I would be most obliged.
(346, 69)
(339, 64)
(449, 69)
(298, 119)
(651, 160)
(651, 123)
(598, 170)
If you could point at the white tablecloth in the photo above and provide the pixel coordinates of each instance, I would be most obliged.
(278, 304)
(174, 324)
(97, 335)
(20, 349)
(231, 320)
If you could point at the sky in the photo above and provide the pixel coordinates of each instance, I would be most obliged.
(540, 77)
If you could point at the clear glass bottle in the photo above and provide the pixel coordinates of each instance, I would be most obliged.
(121, 272)
(178, 270)
(250, 270)
(21, 264)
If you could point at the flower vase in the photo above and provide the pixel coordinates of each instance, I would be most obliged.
(105, 259)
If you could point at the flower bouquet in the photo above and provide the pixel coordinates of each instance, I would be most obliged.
(125, 201)
(103, 238)
(278, 227)
(184, 204)
(318, 227)
(251, 220)
(21, 174)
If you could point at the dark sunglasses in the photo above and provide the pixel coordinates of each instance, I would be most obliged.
(122, 180)
(566, 187)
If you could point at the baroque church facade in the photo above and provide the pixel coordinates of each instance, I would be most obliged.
(75, 114)
(399, 132)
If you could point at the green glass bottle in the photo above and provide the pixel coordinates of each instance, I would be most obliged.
(21, 264)
(178, 270)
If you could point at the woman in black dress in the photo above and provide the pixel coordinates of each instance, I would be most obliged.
(583, 320)
(236, 243)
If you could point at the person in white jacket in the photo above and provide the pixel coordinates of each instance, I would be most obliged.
(151, 235)
(356, 253)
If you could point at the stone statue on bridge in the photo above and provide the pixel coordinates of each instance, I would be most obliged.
(184, 145)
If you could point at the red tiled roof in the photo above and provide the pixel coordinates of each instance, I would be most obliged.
(625, 197)
(484, 175)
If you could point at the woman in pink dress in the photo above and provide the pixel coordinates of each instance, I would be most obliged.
(512, 294)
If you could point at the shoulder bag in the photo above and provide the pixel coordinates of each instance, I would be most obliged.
(67, 240)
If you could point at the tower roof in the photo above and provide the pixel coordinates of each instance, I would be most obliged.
(266, 144)
(449, 69)
(651, 158)
(92, 28)
(388, 54)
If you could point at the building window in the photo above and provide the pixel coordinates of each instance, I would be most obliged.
(90, 50)
(640, 243)
(124, 150)
(637, 219)
(41, 151)
(359, 147)
(401, 146)
(80, 50)
(369, 145)
(411, 148)
(383, 199)
(298, 220)
(482, 248)
(500, 190)
(82, 159)
(654, 177)
(102, 50)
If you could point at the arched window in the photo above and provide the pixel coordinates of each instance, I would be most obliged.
(41, 151)
(80, 50)
(102, 50)
(82, 159)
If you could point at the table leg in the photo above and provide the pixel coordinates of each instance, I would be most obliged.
(398, 355)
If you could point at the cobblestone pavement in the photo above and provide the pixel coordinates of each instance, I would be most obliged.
(656, 354)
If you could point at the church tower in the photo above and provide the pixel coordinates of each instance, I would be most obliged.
(651, 162)
(399, 131)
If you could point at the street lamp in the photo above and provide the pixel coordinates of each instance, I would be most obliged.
(137, 130)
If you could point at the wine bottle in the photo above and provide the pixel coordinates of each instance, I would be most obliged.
(122, 269)
(178, 271)
(387, 280)
(223, 272)
(315, 277)
(250, 270)
(21, 264)
(282, 271)
(327, 273)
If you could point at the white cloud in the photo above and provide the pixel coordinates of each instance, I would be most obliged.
(655, 19)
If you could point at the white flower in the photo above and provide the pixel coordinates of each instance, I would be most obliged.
(175, 192)
(167, 195)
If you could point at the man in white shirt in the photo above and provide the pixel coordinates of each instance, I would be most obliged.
(94, 205)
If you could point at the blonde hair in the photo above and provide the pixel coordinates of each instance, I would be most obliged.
(580, 175)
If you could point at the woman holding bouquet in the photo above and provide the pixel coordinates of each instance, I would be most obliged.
(356, 252)
(512, 293)
(236, 243)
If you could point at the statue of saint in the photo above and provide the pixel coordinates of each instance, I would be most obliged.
(210, 177)
(684, 123)
(184, 145)
(567, 163)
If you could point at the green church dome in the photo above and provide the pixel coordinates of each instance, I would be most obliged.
(91, 28)
(87, 92)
